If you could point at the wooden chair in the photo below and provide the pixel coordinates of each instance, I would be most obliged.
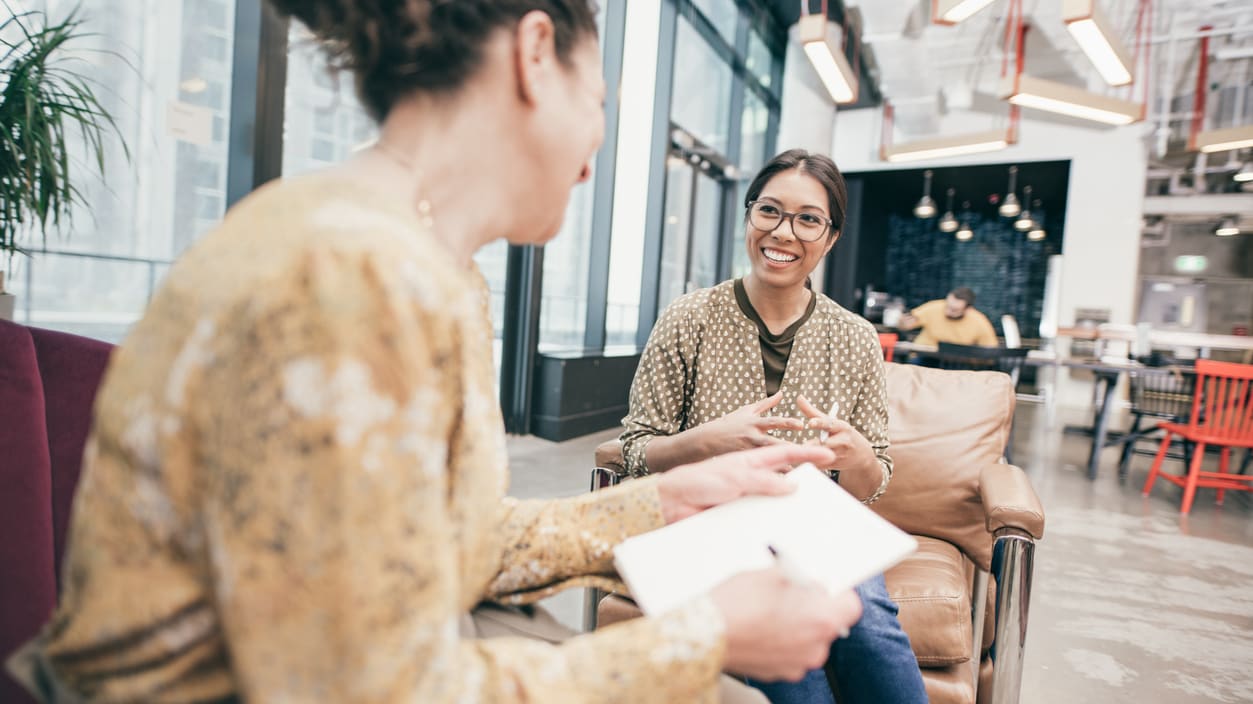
(888, 340)
(1222, 415)
(1161, 394)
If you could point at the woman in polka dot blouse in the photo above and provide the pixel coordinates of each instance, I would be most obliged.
(765, 360)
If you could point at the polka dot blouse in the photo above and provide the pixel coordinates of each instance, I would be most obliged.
(703, 361)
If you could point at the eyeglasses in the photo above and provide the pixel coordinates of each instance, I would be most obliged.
(767, 217)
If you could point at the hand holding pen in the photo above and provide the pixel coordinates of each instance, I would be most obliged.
(777, 628)
(853, 451)
(796, 575)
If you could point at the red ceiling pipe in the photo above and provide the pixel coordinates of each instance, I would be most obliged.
(1202, 88)
(885, 133)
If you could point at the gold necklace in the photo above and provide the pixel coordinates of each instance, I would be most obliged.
(425, 217)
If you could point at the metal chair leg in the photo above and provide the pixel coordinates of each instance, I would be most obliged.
(978, 613)
(1013, 561)
(1129, 444)
(591, 603)
(602, 478)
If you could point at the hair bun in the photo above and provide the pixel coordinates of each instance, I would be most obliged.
(397, 47)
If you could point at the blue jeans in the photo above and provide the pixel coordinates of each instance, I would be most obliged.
(874, 664)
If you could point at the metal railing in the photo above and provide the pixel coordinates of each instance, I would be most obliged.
(96, 321)
(43, 303)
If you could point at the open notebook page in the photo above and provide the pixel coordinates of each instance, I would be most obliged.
(827, 534)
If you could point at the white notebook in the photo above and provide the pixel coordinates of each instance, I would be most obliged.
(825, 533)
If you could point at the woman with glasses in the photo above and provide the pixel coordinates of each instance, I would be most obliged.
(764, 360)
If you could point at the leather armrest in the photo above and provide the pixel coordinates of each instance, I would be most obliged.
(609, 455)
(1010, 501)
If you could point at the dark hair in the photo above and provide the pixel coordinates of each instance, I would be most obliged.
(398, 47)
(963, 293)
(820, 168)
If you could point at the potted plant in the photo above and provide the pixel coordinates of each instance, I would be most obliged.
(44, 105)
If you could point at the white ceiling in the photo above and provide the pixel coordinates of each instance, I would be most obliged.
(924, 67)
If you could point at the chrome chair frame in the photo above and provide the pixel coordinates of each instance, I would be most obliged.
(602, 478)
(1013, 562)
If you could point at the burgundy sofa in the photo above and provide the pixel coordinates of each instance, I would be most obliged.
(48, 384)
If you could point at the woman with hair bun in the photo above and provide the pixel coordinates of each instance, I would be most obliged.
(295, 486)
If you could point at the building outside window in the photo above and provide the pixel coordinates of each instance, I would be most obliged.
(722, 14)
(161, 69)
(170, 88)
(721, 85)
(567, 261)
(701, 99)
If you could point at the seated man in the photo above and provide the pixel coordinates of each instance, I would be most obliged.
(953, 320)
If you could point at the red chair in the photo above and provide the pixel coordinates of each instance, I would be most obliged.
(1222, 415)
(887, 340)
(48, 383)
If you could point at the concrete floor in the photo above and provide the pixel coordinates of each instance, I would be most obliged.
(1131, 602)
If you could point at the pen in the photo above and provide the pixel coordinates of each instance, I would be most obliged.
(790, 569)
(835, 408)
(793, 573)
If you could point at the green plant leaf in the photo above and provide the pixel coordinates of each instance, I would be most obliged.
(43, 103)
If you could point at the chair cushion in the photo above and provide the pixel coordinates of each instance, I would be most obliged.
(28, 585)
(931, 589)
(71, 368)
(950, 685)
(944, 426)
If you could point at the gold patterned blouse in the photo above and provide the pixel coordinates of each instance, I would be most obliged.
(296, 487)
(703, 361)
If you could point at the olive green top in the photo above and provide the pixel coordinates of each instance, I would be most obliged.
(774, 348)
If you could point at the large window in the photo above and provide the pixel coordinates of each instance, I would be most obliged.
(163, 70)
(701, 99)
(322, 121)
(675, 234)
(567, 261)
(563, 310)
(754, 126)
(754, 138)
(722, 14)
(724, 99)
(166, 71)
(689, 256)
(761, 63)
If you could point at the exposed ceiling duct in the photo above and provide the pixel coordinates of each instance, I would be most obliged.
(926, 68)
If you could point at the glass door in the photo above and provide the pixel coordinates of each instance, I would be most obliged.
(702, 270)
(680, 184)
(691, 234)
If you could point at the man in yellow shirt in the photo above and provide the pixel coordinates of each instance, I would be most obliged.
(953, 319)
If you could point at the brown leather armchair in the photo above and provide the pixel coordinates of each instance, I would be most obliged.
(972, 515)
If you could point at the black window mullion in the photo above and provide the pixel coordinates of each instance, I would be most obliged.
(258, 92)
(603, 183)
(660, 147)
(524, 285)
(735, 146)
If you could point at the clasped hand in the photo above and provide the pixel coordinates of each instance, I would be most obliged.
(750, 427)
